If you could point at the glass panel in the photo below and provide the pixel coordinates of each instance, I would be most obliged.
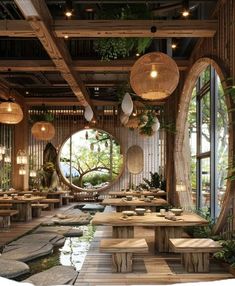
(91, 159)
(205, 182)
(205, 123)
(222, 145)
(192, 131)
(205, 76)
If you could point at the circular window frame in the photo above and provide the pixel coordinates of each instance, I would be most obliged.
(199, 66)
(76, 188)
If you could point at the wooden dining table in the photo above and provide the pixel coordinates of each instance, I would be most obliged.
(122, 204)
(22, 205)
(121, 194)
(164, 229)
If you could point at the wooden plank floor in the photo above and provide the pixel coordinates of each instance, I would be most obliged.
(18, 229)
(149, 269)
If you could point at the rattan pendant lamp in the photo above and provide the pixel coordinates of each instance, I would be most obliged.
(154, 76)
(10, 112)
(43, 130)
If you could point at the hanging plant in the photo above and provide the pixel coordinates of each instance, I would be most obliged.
(43, 116)
(115, 48)
(147, 122)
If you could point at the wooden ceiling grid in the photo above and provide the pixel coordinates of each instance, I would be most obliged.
(83, 75)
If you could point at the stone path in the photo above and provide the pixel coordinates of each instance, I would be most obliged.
(57, 275)
(66, 231)
(26, 252)
(12, 268)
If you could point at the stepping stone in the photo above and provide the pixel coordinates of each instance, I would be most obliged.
(66, 231)
(12, 268)
(80, 219)
(74, 232)
(26, 252)
(93, 207)
(57, 275)
(53, 229)
(53, 238)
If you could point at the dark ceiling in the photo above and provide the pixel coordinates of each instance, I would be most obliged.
(100, 85)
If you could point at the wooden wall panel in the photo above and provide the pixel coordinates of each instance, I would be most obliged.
(68, 122)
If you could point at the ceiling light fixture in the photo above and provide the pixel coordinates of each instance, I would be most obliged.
(185, 12)
(69, 9)
(10, 112)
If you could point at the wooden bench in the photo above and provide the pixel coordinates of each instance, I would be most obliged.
(122, 251)
(5, 206)
(5, 217)
(195, 252)
(37, 209)
(51, 203)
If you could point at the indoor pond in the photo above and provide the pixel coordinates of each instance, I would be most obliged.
(73, 253)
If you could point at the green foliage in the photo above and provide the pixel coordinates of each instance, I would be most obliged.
(114, 48)
(44, 116)
(227, 254)
(202, 231)
(94, 179)
(147, 121)
(156, 181)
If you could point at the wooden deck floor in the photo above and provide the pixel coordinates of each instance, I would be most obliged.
(148, 269)
(18, 229)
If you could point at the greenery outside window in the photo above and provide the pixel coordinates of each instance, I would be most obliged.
(208, 137)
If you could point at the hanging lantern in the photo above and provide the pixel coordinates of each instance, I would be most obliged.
(22, 171)
(156, 125)
(88, 114)
(21, 158)
(106, 144)
(127, 104)
(10, 112)
(7, 159)
(124, 118)
(98, 149)
(33, 173)
(43, 130)
(2, 150)
(0, 157)
(154, 76)
(86, 135)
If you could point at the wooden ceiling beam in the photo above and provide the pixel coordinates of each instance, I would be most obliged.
(113, 28)
(79, 65)
(38, 16)
(35, 101)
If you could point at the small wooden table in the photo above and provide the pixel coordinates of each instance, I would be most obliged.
(164, 228)
(23, 206)
(122, 204)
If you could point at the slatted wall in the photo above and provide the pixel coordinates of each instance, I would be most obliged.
(6, 140)
(68, 121)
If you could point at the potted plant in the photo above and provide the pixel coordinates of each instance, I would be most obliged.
(156, 181)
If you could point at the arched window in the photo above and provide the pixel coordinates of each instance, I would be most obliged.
(208, 140)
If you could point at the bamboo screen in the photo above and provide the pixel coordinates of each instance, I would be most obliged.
(6, 140)
(68, 120)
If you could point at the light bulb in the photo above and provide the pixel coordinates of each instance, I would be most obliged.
(68, 14)
(173, 46)
(43, 128)
(185, 13)
(153, 73)
(9, 108)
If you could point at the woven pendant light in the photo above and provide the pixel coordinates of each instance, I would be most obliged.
(10, 112)
(43, 130)
(154, 76)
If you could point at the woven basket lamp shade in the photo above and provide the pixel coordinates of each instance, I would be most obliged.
(154, 76)
(10, 112)
(43, 130)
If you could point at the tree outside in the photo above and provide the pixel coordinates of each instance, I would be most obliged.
(91, 159)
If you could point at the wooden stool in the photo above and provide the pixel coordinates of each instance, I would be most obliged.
(5, 216)
(122, 251)
(195, 252)
(51, 203)
(37, 209)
